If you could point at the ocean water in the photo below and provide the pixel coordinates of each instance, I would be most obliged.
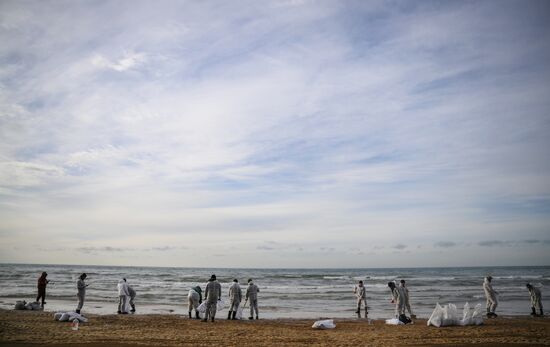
(284, 293)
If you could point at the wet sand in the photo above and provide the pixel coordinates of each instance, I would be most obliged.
(23, 328)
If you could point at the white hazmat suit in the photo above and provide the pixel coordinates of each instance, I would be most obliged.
(213, 293)
(235, 297)
(123, 296)
(491, 295)
(361, 295)
(406, 298)
(536, 299)
(252, 296)
(81, 287)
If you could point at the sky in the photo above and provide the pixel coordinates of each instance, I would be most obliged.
(287, 133)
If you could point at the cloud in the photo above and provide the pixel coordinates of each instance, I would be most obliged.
(512, 243)
(167, 248)
(445, 244)
(493, 243)
(126, 62)
(280, 246)
(20, 174)
(106, 249)
(400, 246)
(327, 249)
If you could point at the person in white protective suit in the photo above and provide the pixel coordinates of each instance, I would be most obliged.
(406, 293)
(194, 299)
(252, 294)
(122, 296)
(132, 293)
(398, 298)
(491, 295)
(212, 294)
(235, 297)
(361, 295)
(536, 299)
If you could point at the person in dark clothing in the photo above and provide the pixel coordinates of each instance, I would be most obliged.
(81, 287)
(42, 283)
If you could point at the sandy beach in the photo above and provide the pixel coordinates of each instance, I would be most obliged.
(18, 328)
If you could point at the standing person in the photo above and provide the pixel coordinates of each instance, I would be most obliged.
(491, 296)
(235, 297)
(405, 291)
(194, 299)
(212, 294)
(122, 296)
(81, 286)
(397, 296)
(361, 294)
(132, 293)
(536, 299)
(252, 294)
(42, 283)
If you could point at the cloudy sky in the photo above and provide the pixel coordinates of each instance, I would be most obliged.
(275, 133)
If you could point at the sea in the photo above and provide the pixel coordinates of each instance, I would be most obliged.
(284, 293)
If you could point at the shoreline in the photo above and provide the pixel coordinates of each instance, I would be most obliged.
(18, 328)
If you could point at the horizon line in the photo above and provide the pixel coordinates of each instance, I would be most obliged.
(286, 268)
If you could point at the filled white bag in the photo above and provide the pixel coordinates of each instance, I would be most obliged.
(20, 305)
(127, 306)
(477, 315)
(394, 321)
(239, 314)
(64, 317)
(69, 316)
(324, 324)
(436, 317)
(34, 306)
(74, 315)
(450, 316)
(202, 307)
(220, 305)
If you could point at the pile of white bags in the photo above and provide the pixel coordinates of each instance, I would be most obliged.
(23, 305)
(69, 317)
(444, 316)
(394, 321)
(324, 324)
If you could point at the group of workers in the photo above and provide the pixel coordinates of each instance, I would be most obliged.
(400, 297)
(126, 295)
(492, 298)
(213, 293)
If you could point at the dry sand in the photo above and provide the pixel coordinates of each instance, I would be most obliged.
(19, 328)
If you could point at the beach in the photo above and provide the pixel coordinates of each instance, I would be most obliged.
(19, 328)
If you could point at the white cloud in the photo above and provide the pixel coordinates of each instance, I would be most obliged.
(126, 62)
